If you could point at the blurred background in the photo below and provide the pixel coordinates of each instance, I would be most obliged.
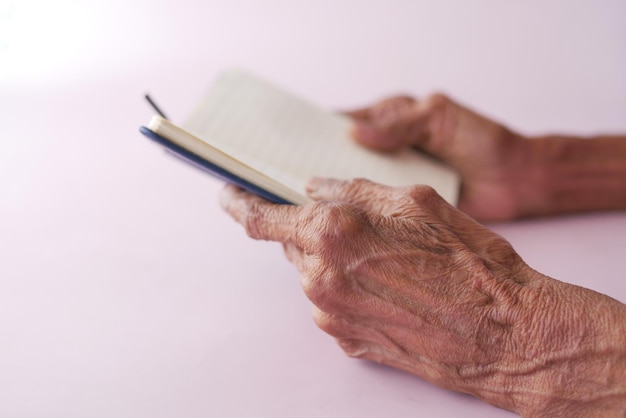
(124, 291)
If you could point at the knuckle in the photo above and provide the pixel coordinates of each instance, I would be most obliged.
(330, 324)
(424, 196)
(438, 99)
(327, 290)
(253, 220)
(354, 348)
(334, 223)
(332, 230)
(503, 252)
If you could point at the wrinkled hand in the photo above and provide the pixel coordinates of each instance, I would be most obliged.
(400, 277)
(492, 160)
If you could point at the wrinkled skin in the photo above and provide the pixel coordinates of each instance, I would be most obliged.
(400, 277)
(489, 157)
(504, 175)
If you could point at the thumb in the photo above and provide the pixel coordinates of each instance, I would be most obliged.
(391, 124)
(403, 121)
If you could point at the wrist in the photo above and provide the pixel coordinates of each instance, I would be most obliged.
(564, 354)
(582, 371)
(524, 175)
(556, 175)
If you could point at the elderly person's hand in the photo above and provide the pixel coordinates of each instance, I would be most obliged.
(505, 175)
(400, 277)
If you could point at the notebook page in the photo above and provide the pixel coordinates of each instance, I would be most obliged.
(292, 140)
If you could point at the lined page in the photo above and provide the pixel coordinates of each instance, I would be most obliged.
(291, 140)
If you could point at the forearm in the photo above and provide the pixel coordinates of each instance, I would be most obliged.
(566, 175)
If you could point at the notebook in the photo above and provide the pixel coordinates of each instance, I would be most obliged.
(250, 132)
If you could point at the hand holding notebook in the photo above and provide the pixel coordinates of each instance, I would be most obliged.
(251, 133)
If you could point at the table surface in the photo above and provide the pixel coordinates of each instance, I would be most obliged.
(126, 292)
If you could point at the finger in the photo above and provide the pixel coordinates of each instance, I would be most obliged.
(372, 136)
(416, 200)
(386, 125)
(356, 336)
(363, 114)
(261, 219)
(366, 113)
(399, 122)
(345, 327)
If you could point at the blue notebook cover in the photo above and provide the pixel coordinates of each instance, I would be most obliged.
(210, 167)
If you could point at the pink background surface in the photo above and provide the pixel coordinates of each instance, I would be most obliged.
(126, 292)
